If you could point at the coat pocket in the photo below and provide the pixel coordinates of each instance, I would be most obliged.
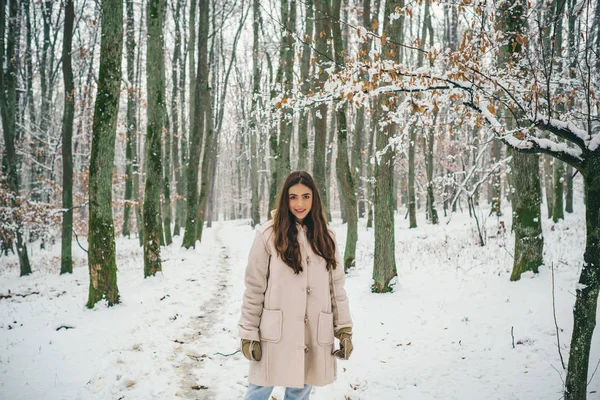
(270, 325)
(325, 329)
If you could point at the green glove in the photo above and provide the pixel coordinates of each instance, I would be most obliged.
(346, 347)
(251, 350)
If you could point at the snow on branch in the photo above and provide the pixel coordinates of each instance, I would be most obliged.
(565, 130)
(526, 143)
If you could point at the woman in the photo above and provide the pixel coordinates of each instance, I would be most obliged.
(295, 301)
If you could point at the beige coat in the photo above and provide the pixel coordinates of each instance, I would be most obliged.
(293, 316)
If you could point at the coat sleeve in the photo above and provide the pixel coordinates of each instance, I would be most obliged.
(256, 285)
(339, 300)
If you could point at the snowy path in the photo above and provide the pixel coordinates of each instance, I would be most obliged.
(203, 325)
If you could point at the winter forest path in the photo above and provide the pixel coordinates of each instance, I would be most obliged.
(200, 329)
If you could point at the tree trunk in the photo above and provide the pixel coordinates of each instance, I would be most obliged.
(559, 168)
(569, 192)
(183, 137)
(66, 265)
(101, 236)
(131, 125)
(305, 86)
(29, 64)
(205, 104)
(40, 151)
(209, 162)
(175, 123)
(192, 69)
(165, 135)
(430, 204)
(286, 79)
(557, 199)
(384, 261)
(8, 111)
(358, 164)
(197, 127)
(254, 132)
(320, 113)
(167, 209)
(345, 173)
(156, 107)
(547, 173)
(431, 211)
(526, 200)
(280, 146)
(371, 165)
(584, 312)
(496, 180)
(526, 194)
(412, 204)
(134, 144)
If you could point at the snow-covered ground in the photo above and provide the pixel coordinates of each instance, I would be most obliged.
(444, 333)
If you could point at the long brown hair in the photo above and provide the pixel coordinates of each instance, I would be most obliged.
(286, 232)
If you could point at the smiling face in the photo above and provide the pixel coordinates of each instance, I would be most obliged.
(300, 201)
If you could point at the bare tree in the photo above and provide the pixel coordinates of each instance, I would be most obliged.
(101, 235)
(156, 122)
(67, 145)
(8, 85)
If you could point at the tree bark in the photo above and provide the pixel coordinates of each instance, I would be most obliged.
(371, 164)
(8, 112)
(347, 177)
(197, 123)
(184, 127)
(557, 199)
(526, 200)
(547, 173)
(29, 64)
(320, 113)
(192, 68)
(134, 143)
(156, 121)
(101, 236)
(165, 134)
(496, 180)
(431, 211)
(359, 154)
(286, 80)
(254, 133)
(384, 260)
(569, 191)
(526, 196)
(40, 151)
(305, 84)
(584, 311)
(66, 265)
(131, 125)
(204, 107)
(175, 122)
(559, 168)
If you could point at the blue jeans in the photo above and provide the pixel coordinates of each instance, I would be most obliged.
(256, 392)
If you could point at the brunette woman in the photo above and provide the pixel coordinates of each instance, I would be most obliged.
(295, 302)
